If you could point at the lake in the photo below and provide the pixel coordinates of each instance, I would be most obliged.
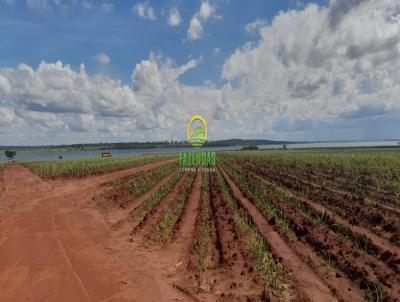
(48, 155)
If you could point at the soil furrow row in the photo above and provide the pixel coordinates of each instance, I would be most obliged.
(313, 286)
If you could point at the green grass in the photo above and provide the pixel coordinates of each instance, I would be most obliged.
(87, 167)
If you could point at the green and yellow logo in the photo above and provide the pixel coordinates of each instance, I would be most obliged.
(197, 134)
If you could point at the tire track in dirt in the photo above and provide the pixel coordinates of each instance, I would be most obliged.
(67, 259)
(312, 285)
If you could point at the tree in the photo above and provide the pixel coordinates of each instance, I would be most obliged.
(10, 154)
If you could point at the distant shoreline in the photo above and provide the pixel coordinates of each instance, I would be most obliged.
(183, 144)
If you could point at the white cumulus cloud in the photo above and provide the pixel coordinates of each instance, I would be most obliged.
(196, 26)
(144, 11)
(195, 30)
(103, 59)
(174, 17)
(312, 73)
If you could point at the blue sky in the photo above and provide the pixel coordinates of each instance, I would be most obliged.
(89, 71)
(76, 34)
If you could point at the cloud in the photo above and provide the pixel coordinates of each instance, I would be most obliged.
(195, 30)
(302, 72)
(174, 18)
(206, 10)
(107, 7)
(144, 11)
(216, 50)
(103, 59)
(297, 78)
(340, 8)
(253, 27)
(54, 98)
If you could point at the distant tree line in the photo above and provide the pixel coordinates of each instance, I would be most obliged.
(146, 145)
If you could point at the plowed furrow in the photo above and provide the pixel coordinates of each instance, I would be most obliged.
(339, 252)
(375, 245)
(145, 225)
(347, 208)
(183, 229)
(234, 278)
(204, 253)
(122, 219)
(312, 285)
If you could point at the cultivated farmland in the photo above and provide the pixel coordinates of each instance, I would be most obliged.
(270, 222)
(87, 167)
(305, 225)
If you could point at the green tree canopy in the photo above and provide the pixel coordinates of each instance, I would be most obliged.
(10, 154)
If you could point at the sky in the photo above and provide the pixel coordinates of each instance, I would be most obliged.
(85, 71)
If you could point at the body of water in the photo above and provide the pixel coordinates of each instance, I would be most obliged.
(49, 155)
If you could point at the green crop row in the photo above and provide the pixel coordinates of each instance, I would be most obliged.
(252, 188)
(202, 247)
(156, 197)
(143, 181)
(365, 172)
(267, 267)
(91, 166)
(165, 225)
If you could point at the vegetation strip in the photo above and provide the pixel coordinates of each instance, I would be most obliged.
(312, 285)
(140, 214)
(343, 205)
(201, 246)
(139, 183)
(87, 167)
(165, 225)
(361, 239)
(374, 278)
(268, 268)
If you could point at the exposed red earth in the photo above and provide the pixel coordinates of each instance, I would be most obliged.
(184, 237)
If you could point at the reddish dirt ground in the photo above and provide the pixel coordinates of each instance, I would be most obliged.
(78, 240)
(55, 246)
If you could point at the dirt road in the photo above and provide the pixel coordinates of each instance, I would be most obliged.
(55, 245)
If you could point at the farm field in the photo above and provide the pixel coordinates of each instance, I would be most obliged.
(87, 167)
(315, 225)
